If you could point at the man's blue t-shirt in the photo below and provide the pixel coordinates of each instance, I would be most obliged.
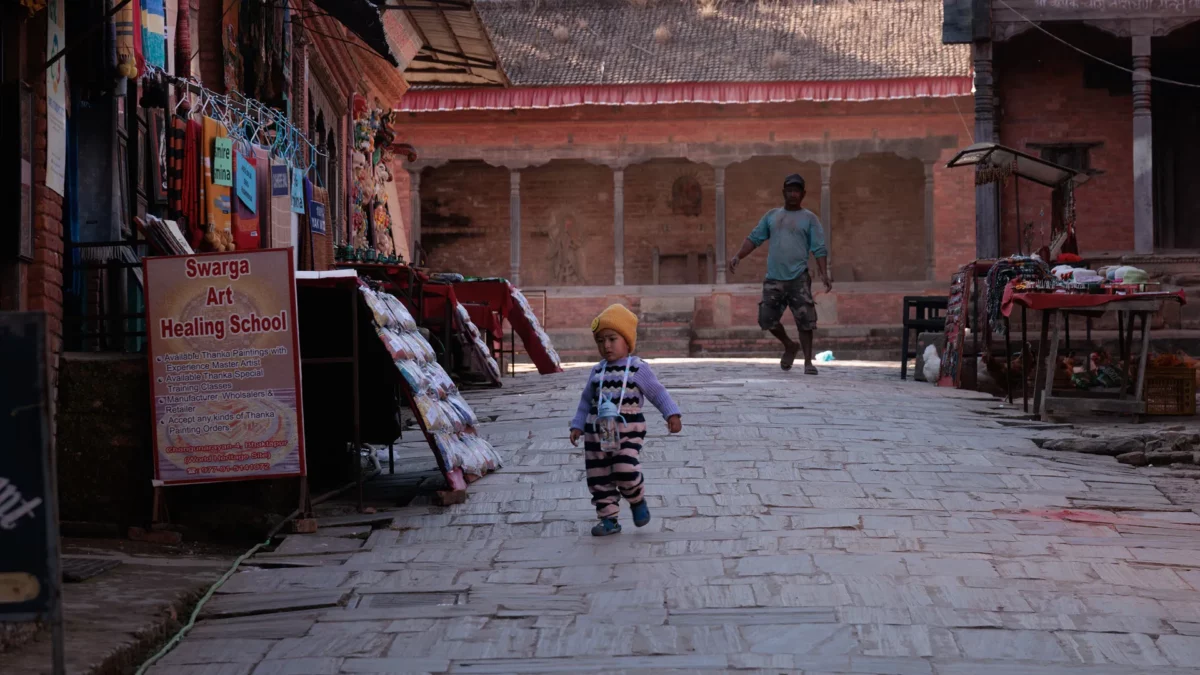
(794, 235)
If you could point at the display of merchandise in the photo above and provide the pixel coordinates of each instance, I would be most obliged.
(481, 357)
(527, 311)
(956, 325)
(448, 277)
(1022, 268)
(446, 417)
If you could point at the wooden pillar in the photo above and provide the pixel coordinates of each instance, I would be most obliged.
(929, 224)
(720, 224)
(414, 200)
(619, 226)
(514, 226)
(987, 230)
(827, 212)
(1143, 149)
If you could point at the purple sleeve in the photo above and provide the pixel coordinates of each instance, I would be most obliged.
(654, 392)
(585, 403)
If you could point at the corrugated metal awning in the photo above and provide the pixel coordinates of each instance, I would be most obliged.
(456, 49)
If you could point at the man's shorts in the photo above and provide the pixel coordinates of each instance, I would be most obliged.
(795, 295)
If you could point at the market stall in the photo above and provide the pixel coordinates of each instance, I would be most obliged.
(459, 344)
(1117, 389)
(507, 303)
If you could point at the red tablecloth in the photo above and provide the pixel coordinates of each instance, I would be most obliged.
(484, 317)
(1051, 301)
(497, 295)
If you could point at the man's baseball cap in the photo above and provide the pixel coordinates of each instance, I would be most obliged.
(794, 179)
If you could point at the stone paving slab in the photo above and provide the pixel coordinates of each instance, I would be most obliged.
(849, 523)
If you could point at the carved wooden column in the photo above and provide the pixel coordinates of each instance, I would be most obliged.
(987, 231)
(929, 224)
(719, 210)
(827, 213)
(414, 201)
(1143, 148)
(514, 226)
(619, 226)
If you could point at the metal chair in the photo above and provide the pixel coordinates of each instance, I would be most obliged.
(923, 314)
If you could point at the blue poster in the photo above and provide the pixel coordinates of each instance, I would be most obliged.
(316, 216)
(247, 182)
(279, 180)
(297, 191)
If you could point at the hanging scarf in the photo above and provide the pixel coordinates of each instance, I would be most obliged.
(176, 140)
(154, 32)
(262, 161)
(129, 41)
(193, 187)
(217, 206)
(183, 40)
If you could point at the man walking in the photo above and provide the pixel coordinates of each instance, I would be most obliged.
(794, 232)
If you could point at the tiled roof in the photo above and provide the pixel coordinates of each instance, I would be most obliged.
(548, 43)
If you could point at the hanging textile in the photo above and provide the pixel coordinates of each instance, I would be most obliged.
(154, 32)
(218, 234)
(183, 41)
(245, 221)
(281, 205)
(193, 187)
(176, 140)
(129, 40)
(262, 161)
(231, 57)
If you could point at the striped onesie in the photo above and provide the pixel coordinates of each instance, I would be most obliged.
(613, 475)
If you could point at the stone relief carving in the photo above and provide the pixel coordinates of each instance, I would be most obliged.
(564, 250)
(686, 196)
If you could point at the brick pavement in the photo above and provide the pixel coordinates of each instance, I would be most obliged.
(849, 523)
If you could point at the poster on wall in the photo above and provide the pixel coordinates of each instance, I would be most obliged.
(29, 583)
(224, 367)
(56, 99)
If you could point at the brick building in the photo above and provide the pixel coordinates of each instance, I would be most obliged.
(1095, 86)
(630, 157)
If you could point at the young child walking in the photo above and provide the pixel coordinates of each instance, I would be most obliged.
(611, 422)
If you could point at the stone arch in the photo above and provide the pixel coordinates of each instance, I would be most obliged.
(752, 188)
(654, 219)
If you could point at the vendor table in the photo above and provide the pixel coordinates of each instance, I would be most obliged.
(1056, 308)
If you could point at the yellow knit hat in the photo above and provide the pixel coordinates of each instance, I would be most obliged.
(621, 320)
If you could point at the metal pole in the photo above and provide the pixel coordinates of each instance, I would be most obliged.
(1024, 363)
(357, 438)
(1017, 188)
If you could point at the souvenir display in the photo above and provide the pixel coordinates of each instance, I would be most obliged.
(481, 357)
(524, 308)
(445, 415)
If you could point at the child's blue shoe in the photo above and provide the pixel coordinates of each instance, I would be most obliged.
(606, 527)
(641, 513)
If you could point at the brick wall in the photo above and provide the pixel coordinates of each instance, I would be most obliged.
(953, 217)
(464, 218)
(1040, 83)
(651, 221)
(566, 204)
(878, 229)
(891, 215)
(43, 278)
(752, 188)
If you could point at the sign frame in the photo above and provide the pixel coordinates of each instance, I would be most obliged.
(37, 403)
(295, 358)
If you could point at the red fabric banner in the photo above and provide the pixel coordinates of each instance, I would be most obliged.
(431, 100)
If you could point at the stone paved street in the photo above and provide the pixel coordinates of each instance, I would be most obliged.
(848, 523)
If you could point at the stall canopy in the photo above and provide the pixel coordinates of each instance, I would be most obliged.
(994, 155)
(456, 50)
